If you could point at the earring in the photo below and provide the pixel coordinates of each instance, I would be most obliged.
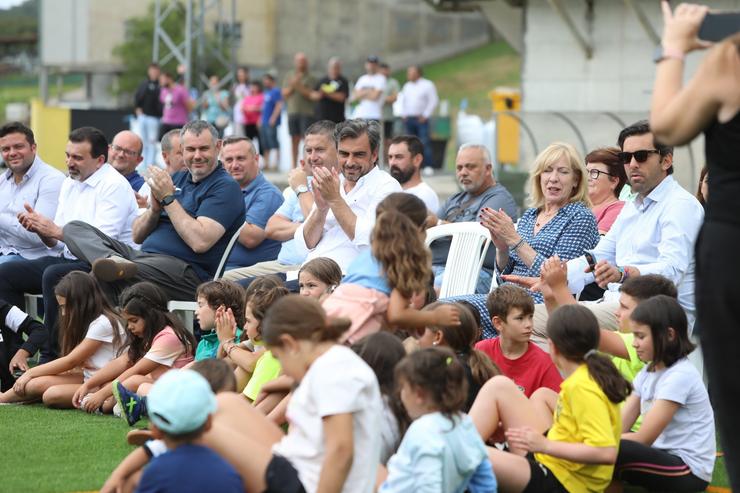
(434, 343)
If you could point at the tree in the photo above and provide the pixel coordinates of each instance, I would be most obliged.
(136, 51)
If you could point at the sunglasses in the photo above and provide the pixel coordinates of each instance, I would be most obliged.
(640, 156)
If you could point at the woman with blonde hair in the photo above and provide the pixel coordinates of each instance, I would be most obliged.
(559, 221)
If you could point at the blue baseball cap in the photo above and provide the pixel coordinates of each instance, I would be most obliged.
(180, 402)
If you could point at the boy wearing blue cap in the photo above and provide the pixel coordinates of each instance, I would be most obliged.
(180, 406)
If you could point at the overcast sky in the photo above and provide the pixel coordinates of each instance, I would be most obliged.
(4, 4)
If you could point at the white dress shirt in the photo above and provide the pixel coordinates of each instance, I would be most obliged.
(363, 199)
(655, 235)
(38, 188)
(426, 194)
(370, 108)
(419, 98)
(104, 200)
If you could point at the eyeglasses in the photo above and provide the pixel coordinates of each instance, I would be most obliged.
(594, 174)
(127, 152)
(640, 156)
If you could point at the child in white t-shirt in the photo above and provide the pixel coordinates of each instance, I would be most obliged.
(333, 442)
(674, 449)
(156, 341)
(91, 336)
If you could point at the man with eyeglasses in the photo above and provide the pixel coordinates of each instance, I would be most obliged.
(655, 232)
(474, 172)
(124, 155)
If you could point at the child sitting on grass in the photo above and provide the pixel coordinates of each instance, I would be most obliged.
(127, 475)
(91, 335)
(180, 407)
(511, 309)
(211, 296)
(583, 423)
(633, 291)
(441, 451)
(674, 449)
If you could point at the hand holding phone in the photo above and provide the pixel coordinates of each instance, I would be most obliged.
(717, 26)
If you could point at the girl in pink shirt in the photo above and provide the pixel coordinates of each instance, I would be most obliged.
(156, 342)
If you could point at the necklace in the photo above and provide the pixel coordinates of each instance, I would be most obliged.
(543, 217)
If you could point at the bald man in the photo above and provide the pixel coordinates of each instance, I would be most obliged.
(124, 155)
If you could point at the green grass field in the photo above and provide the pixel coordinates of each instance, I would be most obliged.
(58, 451)
(21, 89)
(52, 451)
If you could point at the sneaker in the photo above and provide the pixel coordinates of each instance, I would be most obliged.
(132, 406)
(114, 269)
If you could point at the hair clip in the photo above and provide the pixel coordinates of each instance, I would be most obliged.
(449, 360)
(589, 353)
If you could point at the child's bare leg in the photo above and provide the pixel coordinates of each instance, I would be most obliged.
(60, 396)
(242, 378)
(132, 383)
(501, 401)
(235, 412)
(36, 387)
(512, 471)
(108, 404)
(277, 415)
(131, 482)
(270, 402)
(244, 437)
(544, 401)
(144, 389)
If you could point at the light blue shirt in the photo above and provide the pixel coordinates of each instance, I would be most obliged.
(655, 234)
(366, 271)
(291, 209)
(440, 455)
(39, 188)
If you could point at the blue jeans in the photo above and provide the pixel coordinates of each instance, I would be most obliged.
(13, 257)
(412, 125)
(149, 129)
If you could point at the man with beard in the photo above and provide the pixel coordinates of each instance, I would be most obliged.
(474, 172)
(343, 214)
(27, 180)
(319, 151)
(405, 155)
(93, 194)
(191, 217)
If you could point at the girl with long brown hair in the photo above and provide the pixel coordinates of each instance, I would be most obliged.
(379, 285)
(90, 336)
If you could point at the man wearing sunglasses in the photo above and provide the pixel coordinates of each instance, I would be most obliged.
(655, 232)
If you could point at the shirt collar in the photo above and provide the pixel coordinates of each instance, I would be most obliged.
(253, 184)
(96, 177)
(657, 194)
(35, 165)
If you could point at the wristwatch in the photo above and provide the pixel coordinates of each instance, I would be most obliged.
(300, 189)
(167, 200)
(661, 53)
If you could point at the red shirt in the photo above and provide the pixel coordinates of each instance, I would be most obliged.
(532, 370)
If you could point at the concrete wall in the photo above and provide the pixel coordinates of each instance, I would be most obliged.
(557, 76)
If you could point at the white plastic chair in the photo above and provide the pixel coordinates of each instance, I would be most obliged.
(470, 242)
(186, 309)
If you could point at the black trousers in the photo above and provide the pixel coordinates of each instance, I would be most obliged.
(718, 315)
(39, 276)
(175, 277)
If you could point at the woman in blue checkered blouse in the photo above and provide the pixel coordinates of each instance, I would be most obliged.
(560, 221)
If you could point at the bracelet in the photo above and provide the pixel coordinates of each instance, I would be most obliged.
(623, 274)
(517, 245)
